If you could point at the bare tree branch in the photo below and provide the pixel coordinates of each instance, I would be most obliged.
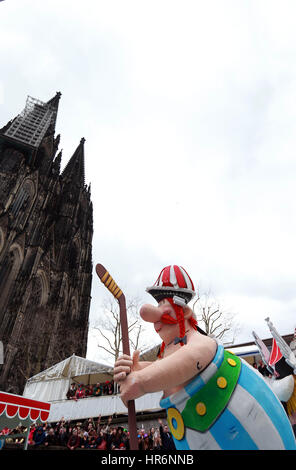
(217, 321)
(105, 337)
(109, 326)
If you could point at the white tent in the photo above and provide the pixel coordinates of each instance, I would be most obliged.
(52, 384)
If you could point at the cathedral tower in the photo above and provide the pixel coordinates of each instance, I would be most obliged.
(46, 233)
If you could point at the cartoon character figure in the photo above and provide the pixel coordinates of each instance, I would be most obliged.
(213, 399)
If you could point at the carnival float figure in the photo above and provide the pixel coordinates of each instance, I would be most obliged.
(281, 364)
(214, 400)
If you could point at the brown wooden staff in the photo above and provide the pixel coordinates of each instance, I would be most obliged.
(111, 285)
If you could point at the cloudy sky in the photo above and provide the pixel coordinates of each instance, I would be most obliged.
(188, 111)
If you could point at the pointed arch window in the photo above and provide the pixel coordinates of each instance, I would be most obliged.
(74, 308)
(23, 201)
(9, 269)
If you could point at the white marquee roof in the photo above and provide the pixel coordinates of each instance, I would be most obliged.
(52, 384)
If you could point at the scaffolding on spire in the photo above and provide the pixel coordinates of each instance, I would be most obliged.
(31, 125)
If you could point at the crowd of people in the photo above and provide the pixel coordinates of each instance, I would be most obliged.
(91, 434)
(77, 391)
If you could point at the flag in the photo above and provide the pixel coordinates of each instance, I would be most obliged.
(276, 354)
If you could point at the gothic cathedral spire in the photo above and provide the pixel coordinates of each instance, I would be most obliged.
(74, 170)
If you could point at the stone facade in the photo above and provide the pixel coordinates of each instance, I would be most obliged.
(46, 230)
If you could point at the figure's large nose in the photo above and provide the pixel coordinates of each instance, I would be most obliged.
(150, 313)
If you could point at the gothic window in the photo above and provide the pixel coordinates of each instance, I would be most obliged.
(74, 308)
(74, 255)
(22, 200)
(37, 298)
(39, 294)
(9, 269)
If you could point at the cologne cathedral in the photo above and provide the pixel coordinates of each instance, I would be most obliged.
(46, 229)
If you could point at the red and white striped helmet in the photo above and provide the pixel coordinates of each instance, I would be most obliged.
(173, 280)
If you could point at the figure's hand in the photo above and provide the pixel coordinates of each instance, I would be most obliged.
(131, 388)
(124, 365)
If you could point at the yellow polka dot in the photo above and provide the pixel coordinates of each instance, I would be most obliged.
(221, 382)
(231, 362)
(201, 409)
(176, 423)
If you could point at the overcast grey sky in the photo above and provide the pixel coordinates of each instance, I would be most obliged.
(188, 111)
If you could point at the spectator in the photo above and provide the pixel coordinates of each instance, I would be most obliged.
(157, 445)
(111, 388)
(31, 433)
(71, 392)
(89, 391)
(106, 428)
(5, 431)
(108, 388)
(51, 438)
(105, 388)
(62, 436)
(125, 439)
(102, 440)
(38, 436)
(73, 441)
(84, 441)
(151, 432)
(97, 390)
(87, 422)
(140, 442)
(116, 438)
(93, 441)
(80, 392)
(166, 437)
(263, 369)
(147, 443)
(91, 430)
